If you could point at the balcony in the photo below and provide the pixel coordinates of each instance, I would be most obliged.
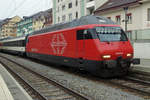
(90, 4)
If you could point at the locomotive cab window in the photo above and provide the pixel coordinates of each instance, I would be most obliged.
(80, 34)
(84, 34)
(110, 34)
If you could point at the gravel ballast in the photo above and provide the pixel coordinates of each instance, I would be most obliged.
(90, 88)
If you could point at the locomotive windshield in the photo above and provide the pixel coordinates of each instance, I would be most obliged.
(108, 34)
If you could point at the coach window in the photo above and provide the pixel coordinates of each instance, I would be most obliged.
(23, 43)
(19, 43)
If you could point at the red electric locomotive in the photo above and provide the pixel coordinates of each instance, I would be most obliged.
(92, 43)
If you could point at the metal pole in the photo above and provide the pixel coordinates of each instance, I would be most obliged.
(126, 20)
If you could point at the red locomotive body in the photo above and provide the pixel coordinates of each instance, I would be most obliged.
(102, 49)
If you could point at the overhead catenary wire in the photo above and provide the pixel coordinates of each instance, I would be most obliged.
(17, 7)
(10, 3)
(35, 10)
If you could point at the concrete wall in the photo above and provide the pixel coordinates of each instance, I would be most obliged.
(142, 50)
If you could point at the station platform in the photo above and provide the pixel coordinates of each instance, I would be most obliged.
(10, 88)
(4, 91)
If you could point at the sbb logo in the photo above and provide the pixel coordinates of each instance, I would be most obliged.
(58, 43)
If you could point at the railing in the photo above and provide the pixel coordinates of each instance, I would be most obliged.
(139, 35)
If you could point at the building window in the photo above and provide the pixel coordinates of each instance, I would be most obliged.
(70, 17)
(109, 17)
(76, 2)
(70, 5)
(58, 19)
(91, 11)
(148, 14)
(129, 18)
(76, 15)
(63, 7)
(58, 9)
(42, 19)
(118, 19)
(64, 18)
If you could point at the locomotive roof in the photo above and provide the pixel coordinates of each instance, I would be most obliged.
(85, 20)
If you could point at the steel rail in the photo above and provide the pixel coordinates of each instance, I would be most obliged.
(68, 90)
(124, 86)
(35, 92)
(137, 80)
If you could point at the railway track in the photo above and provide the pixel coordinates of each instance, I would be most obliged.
(137, 83)
(38, 86)
(140, 75)
(130, 83)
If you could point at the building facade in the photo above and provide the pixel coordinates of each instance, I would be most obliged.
(67, 10)
(42, 19)
(34, 22)
(132, 15)
(24, 27)
(9, 28)
(1, 29)
(38, 21)
(48, 18)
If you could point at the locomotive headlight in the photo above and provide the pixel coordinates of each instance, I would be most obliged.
(129, 55)
(106, 56)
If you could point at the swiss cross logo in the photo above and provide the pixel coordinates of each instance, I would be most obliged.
(58, 43)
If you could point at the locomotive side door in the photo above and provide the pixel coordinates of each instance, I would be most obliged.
(80, 51)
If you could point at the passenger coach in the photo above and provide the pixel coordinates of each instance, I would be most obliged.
(13, 45)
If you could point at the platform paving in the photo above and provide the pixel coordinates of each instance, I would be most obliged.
(4, 91)
(10, 88)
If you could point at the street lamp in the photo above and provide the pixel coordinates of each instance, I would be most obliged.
(126, 20)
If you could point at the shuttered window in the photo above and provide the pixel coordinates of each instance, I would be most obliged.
(118, 19)
(129, 18)
(148, 14)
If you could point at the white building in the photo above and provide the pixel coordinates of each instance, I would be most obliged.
(138, 16)
(67, 10)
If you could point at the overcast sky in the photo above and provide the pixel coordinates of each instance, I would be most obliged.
(10, 8)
